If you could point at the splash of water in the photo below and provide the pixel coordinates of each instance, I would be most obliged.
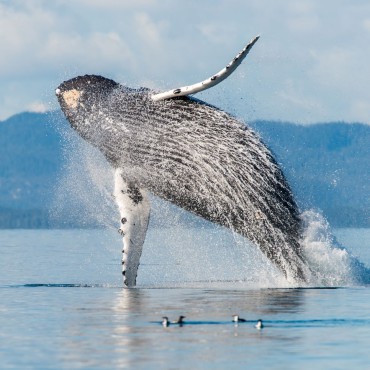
(83, 194)
(184, 250)
(332, 264)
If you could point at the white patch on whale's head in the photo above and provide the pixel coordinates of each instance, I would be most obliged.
(86, 92)
(71, 97)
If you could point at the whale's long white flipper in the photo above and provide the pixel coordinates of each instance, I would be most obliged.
(134, 208)
(211, 81)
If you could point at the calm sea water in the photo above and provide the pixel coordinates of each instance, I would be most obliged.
(62, 305)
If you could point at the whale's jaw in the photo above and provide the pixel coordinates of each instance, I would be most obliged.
(195, 156)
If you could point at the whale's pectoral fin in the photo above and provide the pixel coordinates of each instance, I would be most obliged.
(134, 208)
(211, 81)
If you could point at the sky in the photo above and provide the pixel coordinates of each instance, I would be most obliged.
(311, 64)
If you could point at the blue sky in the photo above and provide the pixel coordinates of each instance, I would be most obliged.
(310, 65)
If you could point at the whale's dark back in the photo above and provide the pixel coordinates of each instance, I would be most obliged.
(196, 156)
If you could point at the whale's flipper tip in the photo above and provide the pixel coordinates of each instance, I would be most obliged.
(211, 81)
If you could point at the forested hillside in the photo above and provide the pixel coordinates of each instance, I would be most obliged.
(327, 165)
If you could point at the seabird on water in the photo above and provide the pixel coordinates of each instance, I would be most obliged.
(259, 325)
(165, 321)
(179, 321)
(236, 318)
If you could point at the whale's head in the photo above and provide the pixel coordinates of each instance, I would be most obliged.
(80, 95)
(86, 99)
(99, 110)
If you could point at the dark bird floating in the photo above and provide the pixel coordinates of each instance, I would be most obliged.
(191, 154)
(236, 318)
(259, 324)
(179, 321)
(165, 322)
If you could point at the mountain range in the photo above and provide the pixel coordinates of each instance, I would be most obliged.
(327, 165)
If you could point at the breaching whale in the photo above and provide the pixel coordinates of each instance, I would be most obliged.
(192, 154)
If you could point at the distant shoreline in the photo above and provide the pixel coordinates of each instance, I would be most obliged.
(326, 165)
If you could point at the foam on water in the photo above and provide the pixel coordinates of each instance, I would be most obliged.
(182, 250)
(331, 263)
(83, 193)
(216, 257)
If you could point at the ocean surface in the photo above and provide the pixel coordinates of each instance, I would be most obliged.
(62, 304)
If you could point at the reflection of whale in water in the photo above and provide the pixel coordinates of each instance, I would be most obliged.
(191, 154)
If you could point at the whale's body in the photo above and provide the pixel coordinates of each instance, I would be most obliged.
(193, 155)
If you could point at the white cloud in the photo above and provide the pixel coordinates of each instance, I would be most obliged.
(333, 67)
(22, 33)
(112, 4)
(298, 101)
(304, 23)
(360, 111)
(38, 107)
(303, 16)
(149, 31)
(219, 34)
(366, 24)
(302, 7)
(94, 51)
(321, 48)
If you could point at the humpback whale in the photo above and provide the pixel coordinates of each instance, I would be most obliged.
(192, 154)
